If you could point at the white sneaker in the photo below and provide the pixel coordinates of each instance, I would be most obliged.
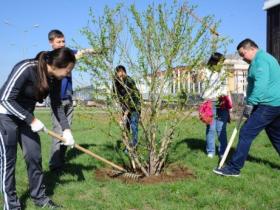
(210, 155)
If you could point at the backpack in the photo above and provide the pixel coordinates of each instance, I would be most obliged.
(205, 112)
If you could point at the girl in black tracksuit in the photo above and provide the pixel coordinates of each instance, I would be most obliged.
(29, 82)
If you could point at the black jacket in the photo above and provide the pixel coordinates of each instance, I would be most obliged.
(18, 94)
(128, 94)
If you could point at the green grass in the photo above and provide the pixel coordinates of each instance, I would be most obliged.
(77, 188)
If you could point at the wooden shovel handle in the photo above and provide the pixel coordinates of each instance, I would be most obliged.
(60, 138)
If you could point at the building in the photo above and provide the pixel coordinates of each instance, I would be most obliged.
(237, 78)
(231, 80)
(91, 95)
(273, 27)
(200, 84)
(84, 93)
(180, 78)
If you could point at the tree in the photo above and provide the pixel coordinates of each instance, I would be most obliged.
(163, 46)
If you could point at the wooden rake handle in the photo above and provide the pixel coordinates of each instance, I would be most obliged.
(77, 146)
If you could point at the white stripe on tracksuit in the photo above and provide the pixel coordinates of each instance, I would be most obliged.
(3, 170)
(9, 87)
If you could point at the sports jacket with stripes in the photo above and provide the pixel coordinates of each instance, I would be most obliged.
(17, 95)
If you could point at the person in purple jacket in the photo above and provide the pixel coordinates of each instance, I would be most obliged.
(58, 151)
(31, 81)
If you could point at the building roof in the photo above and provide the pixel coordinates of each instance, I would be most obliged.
(234, 56)
(270, 3)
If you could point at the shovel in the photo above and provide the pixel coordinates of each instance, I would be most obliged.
(233, 135)
(121, 170)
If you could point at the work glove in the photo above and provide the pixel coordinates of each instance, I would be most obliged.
(83, 52)
(37, 125)
(248, 109)
(69, 140)
(124, 119)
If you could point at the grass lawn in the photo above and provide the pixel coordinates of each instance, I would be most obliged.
(256, 188)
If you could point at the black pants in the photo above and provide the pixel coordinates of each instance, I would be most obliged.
(13, 131)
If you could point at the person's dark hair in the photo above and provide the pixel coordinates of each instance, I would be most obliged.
(120, 68)
(215, 58)
(59, 58)
(247, 43)
(55, 34)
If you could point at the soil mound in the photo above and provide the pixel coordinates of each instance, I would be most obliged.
(171, 174)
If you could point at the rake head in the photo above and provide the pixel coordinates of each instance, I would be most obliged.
(128, 175)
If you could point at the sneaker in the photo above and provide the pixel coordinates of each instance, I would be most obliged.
(210, 155)
(226, 171)
(133, 147)
(125, 151)
(50, 204)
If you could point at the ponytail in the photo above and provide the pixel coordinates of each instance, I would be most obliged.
(42, 85)
(59, 58)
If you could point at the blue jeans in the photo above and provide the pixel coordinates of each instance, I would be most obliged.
(218, 125)
(133, 120)
(263, 117)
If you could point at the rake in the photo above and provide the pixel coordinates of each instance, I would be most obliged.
(119, 171)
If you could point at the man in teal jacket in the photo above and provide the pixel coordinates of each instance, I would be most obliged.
(263, 104)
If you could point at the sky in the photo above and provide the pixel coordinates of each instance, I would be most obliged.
(24, 25)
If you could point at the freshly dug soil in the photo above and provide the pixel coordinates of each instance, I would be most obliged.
(171, 174)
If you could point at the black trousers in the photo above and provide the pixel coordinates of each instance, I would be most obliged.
(12, 132)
